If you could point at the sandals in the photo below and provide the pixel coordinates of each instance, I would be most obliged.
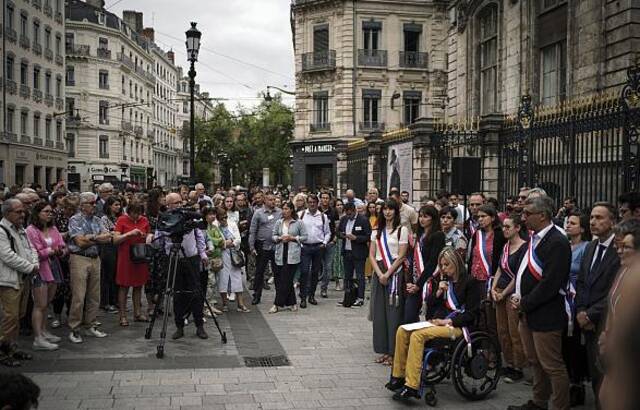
(388, 361)
(123, 321)
(243, 309)
(381, 359)
(20, 355)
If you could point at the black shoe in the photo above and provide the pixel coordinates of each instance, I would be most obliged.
(303, 304)
(405, 394)
(201, 333)
(313, 300)
(255, 301)
(323, 294)
(512, 375)
(266, 286)
(576, 395)
(395, 383)
(530, 405)
(178, 334)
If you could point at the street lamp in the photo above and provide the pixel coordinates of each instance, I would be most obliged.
(193, 47)
(269, 98)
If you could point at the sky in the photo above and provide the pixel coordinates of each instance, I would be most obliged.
(246, 44)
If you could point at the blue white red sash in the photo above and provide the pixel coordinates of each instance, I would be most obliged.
(418, 262)
(504, 262)
(452, 304)
(533, 262)
(482, 250)
(569, 305)
(387, 261)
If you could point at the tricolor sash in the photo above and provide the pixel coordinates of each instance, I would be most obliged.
(482, 250)
(387, 261)
(452, 304)
(504, 262)
(418, 261)
(533, 262)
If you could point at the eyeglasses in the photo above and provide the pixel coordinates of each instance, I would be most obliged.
(89, 203)
(528, 213)
(19, 212)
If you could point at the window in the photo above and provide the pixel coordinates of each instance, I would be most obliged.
(10, 115)
(124, 150)
(58, 87)
(69, 40)
(24, 121)
(488, 59)
(24, 73)
(9, 68)
(47, 83)
(103, 146)
(59, 131)
(103, 43)
(71, 145)
(103, 79)
(47, 129)
(553, 61)
(71, 105)
(411, 100)
(47, 38)
(321, 110)
(371, 104)
(412, 33)
(185, 107)
(9, 17)
(124, 91)
(103, 112)
(36, 124)
(36, 77)
(58, 44)
(71, 75)
(36, 32)
(371, 34)
(321, 39)
(24, 30)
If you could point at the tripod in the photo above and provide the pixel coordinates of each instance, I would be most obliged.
(168, 294)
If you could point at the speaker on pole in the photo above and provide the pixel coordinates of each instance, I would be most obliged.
(465, 175)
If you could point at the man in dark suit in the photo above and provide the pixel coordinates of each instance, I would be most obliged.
(355, 231)
(540, 285)
(598, 270)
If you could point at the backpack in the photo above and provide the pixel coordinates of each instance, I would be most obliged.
(350, 295)
(12, 241)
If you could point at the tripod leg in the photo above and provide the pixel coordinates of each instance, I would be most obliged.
(223, 335)
(171, 278)
(157, 307)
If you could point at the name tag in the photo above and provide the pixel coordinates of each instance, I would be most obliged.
(358, 228)
(270, 217)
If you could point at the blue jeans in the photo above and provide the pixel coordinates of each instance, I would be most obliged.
(353, 267)
(310, 264)
(327, 266)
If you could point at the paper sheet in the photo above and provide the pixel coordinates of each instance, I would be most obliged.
(416, 326)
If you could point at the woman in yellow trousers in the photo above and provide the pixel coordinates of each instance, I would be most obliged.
(453, 304)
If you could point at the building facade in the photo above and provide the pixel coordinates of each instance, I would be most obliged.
(361, 67)
(32, 147)
(109, 94)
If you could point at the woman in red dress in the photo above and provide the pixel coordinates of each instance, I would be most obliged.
(131, 228)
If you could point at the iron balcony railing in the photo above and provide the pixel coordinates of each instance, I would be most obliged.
(37, 95)
(25, 139)
(126, 61)
(371, 126)
(83, 50)
(12, 87)
(58, 17)
(37, 4)
(11, 136)
(25, 91)
(11, 34)
(37, 141)
(372, 58)
(25, 42)
(37, 48)
(59, 145)
(413, 59)
(138, 131)
(59, 59)
(126, 126)
(48, 54)
(104, 53)
(48, 143)
(48, 99)
(59, 103)
(48, 10)
(323, 60)
(324, 127)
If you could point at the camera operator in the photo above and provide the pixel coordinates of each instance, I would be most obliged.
(188, 295)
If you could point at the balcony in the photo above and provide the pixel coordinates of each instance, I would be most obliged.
(72, 154)
(37, 4)
(37, 95)
(48, 10)
(104, 155)
(70, 82)
(326, 127)
(324, 60)
(413, 59)
(371, 126)
(372, 58)
(11, 136)
(48, 54)
(12, 87)
(37, 141)
(24, 42)
(59, 59)
(126, 126)
(104, 121)
(25, 91)
(37, 48)
(48, 100)
(103, 86)
(25, 139)
(58, 17)
(104, 53)
(11, 34)
(59, 145)
(126, 61)
(150, 77)
(138, 131)
(78, 50)
(48, 143)
(150, 134)
(59, 103)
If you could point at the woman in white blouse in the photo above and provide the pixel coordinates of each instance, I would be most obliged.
(230, 277)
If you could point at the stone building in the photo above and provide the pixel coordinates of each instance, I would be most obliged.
(32, 145)
(361, 67)
(109, 94)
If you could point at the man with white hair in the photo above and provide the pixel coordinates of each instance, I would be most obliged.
(105, 190)
(202, 193)
(18, 262)
(86, 233)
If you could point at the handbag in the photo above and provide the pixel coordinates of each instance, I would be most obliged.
(139, 253)
(215, 264)
(237, 258)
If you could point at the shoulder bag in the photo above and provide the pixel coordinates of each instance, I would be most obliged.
(140, 253)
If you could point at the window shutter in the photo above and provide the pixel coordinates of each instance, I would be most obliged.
(321, 38)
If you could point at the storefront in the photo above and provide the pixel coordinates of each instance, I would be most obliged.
(22, 164)
(314, 164)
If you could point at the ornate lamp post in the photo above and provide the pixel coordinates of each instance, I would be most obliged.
(193, 47)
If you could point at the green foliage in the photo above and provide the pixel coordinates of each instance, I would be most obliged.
(246, 143)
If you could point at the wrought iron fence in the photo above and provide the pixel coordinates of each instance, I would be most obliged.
(357, 160)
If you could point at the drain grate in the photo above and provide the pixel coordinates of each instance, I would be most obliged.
(266, 361)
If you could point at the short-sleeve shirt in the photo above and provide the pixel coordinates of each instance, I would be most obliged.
(408, 216)
(82, 225)
(392, 240)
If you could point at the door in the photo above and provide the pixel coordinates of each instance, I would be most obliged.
(320, 176)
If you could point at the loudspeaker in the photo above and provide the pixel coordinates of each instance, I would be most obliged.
(465, 175)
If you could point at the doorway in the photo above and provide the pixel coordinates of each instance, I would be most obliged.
(320, 176)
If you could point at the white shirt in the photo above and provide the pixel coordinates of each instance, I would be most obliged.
(392, 240)
(537, 238)
(349, 229)
(606, 244)
(317, 231)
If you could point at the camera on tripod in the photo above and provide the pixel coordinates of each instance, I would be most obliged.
(178, 222)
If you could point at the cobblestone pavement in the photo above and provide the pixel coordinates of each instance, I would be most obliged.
(331, 366)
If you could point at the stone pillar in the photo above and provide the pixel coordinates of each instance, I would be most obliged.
(342, 176)
(489, 139)
(425, 181)
(374, 165)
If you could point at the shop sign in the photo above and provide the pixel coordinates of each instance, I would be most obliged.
(104, 169)
(22, 155)
(44, 157)
(313, 149)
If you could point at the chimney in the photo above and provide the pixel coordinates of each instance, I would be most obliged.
(149, 33)
(99, 4)
(133, 19)
(171, 56)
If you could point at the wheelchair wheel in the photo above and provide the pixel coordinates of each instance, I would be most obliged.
(430, 397)
(439, 365)
(475, 372)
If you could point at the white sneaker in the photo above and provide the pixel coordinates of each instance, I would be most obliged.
(270, 281)
(75, 337)
(40, 343)
(232, 296)
(95, 332)
(51, 337)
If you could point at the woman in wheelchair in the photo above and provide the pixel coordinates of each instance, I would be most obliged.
(452, 307)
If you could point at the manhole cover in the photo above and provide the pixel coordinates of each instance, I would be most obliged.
(266, 361)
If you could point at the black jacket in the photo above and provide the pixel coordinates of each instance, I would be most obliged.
(362, 231)
(541, 301)
(430, 251)
(496, 252)
(592, 288)
(468, 291)
(332, 214)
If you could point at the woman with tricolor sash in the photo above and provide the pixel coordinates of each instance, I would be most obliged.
(387, 253)
(503, 285)
(429, 243)
(451, 310)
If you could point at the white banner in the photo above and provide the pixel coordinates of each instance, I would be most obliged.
(400, 168)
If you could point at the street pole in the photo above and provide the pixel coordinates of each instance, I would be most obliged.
(192, 138)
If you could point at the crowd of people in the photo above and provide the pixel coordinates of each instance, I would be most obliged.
(551, 285)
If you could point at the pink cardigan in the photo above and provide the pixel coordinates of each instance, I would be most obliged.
(39, 243)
